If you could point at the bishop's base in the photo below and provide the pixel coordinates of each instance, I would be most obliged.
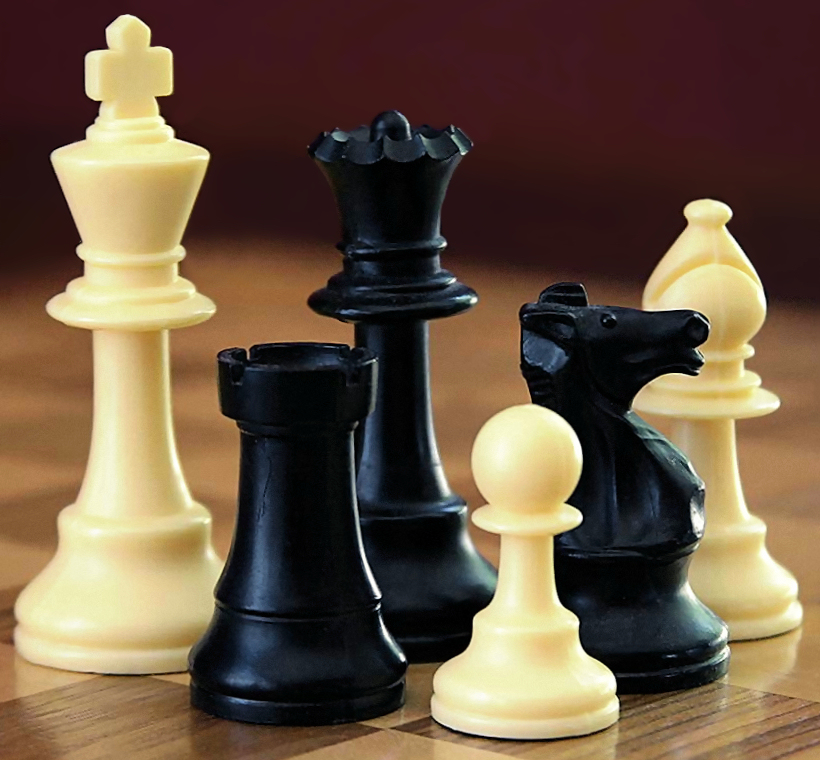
(734, 574)
(766, 627)
(507, 728)
(125, 597)
(299, 714)
(432, 579)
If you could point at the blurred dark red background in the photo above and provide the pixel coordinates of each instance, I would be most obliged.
(594, 122)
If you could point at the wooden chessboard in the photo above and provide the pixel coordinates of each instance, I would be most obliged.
(767, 707)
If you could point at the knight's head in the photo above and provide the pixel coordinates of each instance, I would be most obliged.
(613, 349)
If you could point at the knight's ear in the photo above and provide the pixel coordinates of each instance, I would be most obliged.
(566, 293)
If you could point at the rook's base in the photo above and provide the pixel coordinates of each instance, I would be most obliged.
(296, 714)
(297, 670)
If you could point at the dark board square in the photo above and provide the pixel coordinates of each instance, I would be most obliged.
(715, 722)
(144, 719)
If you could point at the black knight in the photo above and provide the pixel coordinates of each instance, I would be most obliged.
(623, 571)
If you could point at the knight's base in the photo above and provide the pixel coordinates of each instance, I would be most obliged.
(432, 579)
(675, 678)
(641, 619)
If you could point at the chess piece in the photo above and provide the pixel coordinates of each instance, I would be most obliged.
(297, 637)
(389, 181)
(129, 590)
(732, 572)
(524, 674)
(623, 571)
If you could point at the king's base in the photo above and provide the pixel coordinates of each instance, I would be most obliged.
(300, 714)
(734, 574)
(509, 728)
(105, 661)
(121, 596)
(640, 618)
(432, 579)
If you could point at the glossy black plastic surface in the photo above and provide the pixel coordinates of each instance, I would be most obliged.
(389, 181)
(297, 637)
(623, 571)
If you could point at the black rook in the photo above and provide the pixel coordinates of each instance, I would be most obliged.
(297, 636)
(389, 181)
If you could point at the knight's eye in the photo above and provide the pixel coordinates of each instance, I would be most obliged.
(608, 321)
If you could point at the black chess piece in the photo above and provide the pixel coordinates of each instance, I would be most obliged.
(389, 181)
(623, 571)
(297, 637)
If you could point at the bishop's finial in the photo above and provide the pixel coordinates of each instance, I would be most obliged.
(704, 241)
(130, 75)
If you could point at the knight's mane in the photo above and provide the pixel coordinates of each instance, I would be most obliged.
(550, 371)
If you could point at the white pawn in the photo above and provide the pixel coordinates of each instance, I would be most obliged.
(524, 674)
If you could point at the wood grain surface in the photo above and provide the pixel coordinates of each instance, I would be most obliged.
(767, 707)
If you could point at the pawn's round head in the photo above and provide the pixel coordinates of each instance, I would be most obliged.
(526, 459)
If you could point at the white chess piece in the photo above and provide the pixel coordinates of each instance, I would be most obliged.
(130, 589)
(524, 674)
(732, 572)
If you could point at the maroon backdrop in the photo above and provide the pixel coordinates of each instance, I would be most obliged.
(594, 122)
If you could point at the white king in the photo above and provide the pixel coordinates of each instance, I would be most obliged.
(130, 588)
(706, 270)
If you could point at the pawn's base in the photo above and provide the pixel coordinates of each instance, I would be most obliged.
(524, 676)
(365, 707)
(640, 618)
(734, 574)
(432, 579)
(507, 728)
(125, 597)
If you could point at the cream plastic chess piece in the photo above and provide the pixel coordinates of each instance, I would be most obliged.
(524, 674)
(130, 589)
(732, 572)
